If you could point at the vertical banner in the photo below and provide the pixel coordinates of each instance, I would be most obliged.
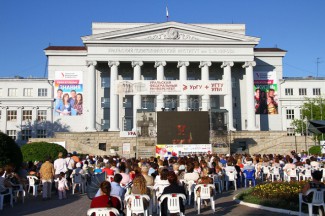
(146, 124)
(68, 93)
(266, 92)
(126, 149)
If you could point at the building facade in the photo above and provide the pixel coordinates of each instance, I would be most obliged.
(128, 68)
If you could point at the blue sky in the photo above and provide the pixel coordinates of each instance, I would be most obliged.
(27, 27)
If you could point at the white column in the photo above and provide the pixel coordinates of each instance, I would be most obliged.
(182, 65)
(136, 98)
(228, 97)
(114, 111)
(92, 95)
(160, 76)
(251, 120)
(205, 99)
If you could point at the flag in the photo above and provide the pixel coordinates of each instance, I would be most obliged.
(167, 14)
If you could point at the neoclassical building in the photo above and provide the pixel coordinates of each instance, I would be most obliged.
(127, 72)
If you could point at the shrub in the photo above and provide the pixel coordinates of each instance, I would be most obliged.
(10, 152)
(39, 151)
(315, 150)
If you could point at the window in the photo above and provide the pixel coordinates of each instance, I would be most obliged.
(290, 131)
(11, 115)
(102, 146)
(41, 115)
(290, 114)
(42, 92)
(27, 115)
(106, 82)
(28, 92)
(316, 91)
(302, 91)
(41, 133)
(288, 91)
(12, 134)
(105, 102)
(26, 134)
(12, 92)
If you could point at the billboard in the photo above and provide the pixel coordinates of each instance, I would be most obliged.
(183, 127)
(146, 124)
(166, 151)
(68, 93)
(266, 93)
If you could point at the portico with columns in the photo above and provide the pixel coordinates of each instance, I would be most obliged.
(170, 51)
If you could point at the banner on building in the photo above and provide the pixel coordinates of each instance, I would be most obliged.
(266, 92)
(68, 93)
(146, 124)
(170, 87)
(166, 151)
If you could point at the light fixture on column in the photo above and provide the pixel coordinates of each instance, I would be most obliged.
(163, 109)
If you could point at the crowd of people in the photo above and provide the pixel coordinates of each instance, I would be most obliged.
(139, 176)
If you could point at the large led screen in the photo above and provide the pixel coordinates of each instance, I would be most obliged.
(182, 127)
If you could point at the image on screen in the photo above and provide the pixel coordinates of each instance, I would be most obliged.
(182, 127)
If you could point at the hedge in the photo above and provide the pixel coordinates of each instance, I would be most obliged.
(315, 150)
(10, 152)
(39, 151)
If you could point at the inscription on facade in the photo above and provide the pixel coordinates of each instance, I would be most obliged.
(167, 51)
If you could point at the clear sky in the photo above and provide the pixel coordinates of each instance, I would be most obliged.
(29, 26)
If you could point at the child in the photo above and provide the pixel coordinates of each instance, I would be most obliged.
(62, 185)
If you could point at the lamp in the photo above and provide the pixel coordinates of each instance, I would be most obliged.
(163, 109)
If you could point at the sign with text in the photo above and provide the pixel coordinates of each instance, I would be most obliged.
(68, 87)
(126, 149)
(171, 87)
(166, 151)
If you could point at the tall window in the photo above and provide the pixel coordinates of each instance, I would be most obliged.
(42, 92)
(302, 91)
(11, 115)
(28, 92)
(41, 133)
(12, 92)
(290, 114)
(288, 91)
(106, 81)
(27, 115)
(12, 134)
(41, 115)
(26, 134)
(316, 91)
(105, 102)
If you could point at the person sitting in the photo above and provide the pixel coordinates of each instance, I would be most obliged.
(144, 172)
(174, 187)
(117, 190)
(314, 184)
(4, 183)
(104, 199)
(140, 187)
(190, 174)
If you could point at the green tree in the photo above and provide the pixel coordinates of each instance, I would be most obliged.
(312, 109)
(10, 152)
(39, 151)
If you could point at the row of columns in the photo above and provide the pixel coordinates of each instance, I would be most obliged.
(182, 65)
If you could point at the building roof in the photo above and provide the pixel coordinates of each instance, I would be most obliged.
(74, 48)
(269, 50)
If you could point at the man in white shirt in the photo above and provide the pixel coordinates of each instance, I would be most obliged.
(59, 166)
(70, 166)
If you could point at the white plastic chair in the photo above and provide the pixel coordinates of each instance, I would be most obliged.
(102, 211)
(275, 172)
(318, 200)
(189, 189)
(77, 180)
(204, 194)
(307, 174)
(134, 204)
(292, 174)
(173, 205)
(17, 191)
(119, 199)
(32, 184)
(158, 190)
(6, 194)
(231, 177)
(266, 171)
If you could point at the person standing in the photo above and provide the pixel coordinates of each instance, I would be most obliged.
(47, 174)
(70, 166)
(60, 165)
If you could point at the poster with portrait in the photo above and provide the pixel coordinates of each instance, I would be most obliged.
(266, 93)
(146, 123)
(68, 93)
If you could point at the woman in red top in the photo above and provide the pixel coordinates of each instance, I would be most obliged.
(105, 200)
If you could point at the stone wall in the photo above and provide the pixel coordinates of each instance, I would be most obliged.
(253, 142)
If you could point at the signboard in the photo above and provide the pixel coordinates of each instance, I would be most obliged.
(146, 152)
(171, 87)
(126, 148)
(68, 93)
(266, 92)
(166, 151)
(128, 134)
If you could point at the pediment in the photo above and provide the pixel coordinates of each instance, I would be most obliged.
(170, 32)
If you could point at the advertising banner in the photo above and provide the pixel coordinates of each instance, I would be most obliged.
(68, 93)
(266, 92)
(166, 151)
(171, 87)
